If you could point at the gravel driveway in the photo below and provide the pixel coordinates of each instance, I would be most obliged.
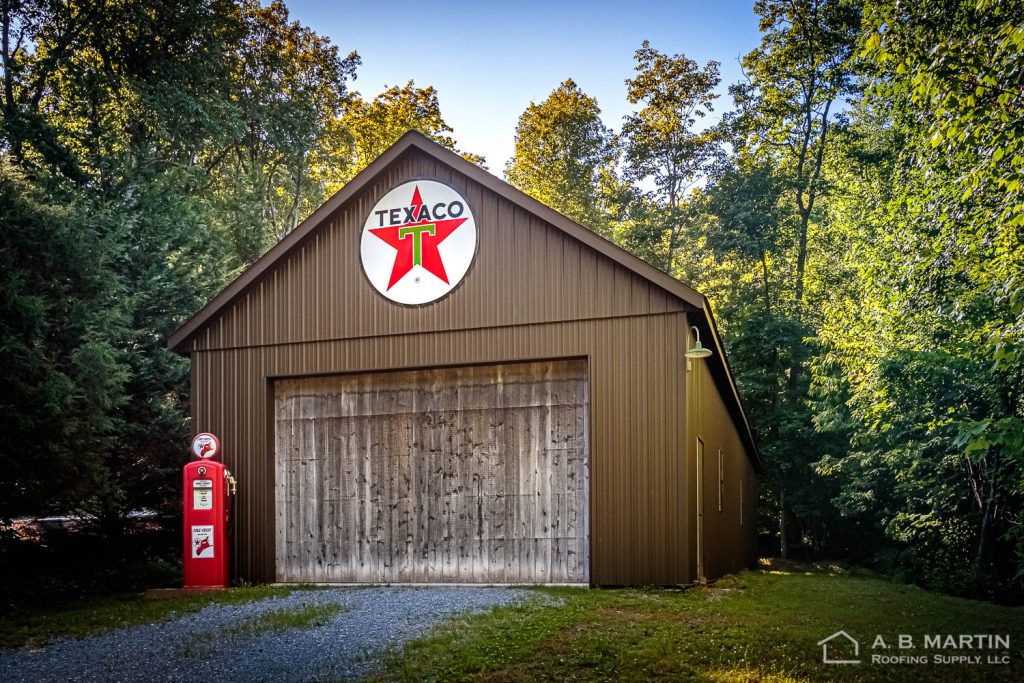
(345, 647)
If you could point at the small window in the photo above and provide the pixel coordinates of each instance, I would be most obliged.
(721, 479)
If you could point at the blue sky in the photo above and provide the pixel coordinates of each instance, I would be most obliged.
(488, 60)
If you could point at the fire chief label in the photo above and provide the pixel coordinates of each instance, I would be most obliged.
(202, 541)
(418, 242)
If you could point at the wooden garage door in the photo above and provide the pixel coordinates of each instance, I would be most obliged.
(472, 474)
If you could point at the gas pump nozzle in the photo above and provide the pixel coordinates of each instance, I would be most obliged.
(231, 481)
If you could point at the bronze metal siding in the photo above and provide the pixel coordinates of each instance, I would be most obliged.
(728, 545)
(637, 536)
(533, 293)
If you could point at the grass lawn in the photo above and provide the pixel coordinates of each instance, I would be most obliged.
(754, 626)
(34, 627)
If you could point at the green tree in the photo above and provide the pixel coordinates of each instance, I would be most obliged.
(105, 110)
(664, 147)
(923, 341)
(63, 376)
(563, 154)
(787, 109)
(376, 125)
(750, 219)
(787, 119)
(82, 81)
(183, 138)
(280, 149)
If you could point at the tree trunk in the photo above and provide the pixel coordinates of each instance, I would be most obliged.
(986, 517)
(8, 76)
(808, 207)
(293, 219)
(10, 111)
(764, 273)
(783, 542)
(801, 260)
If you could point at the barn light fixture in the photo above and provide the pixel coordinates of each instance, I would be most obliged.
(698, 351)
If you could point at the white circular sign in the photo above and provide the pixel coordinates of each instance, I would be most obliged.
(418, 242)
(205, 445)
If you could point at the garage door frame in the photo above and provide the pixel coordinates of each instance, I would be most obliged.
(584, 508)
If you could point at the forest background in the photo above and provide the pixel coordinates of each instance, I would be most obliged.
(855, 217)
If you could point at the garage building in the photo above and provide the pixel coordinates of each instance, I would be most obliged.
(437, 379)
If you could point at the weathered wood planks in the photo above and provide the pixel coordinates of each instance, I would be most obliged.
(470, 475)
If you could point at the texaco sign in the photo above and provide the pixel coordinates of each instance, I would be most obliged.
(418, 242)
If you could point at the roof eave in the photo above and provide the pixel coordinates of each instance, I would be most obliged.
(742, 424)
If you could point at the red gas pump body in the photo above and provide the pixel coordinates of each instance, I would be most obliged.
(206, 501)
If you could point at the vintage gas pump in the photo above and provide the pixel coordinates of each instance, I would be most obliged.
(207, 491)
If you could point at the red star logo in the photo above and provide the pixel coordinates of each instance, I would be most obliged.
(417, 241)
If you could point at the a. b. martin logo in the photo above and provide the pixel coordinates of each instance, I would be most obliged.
(836, 648)
(418, 242)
